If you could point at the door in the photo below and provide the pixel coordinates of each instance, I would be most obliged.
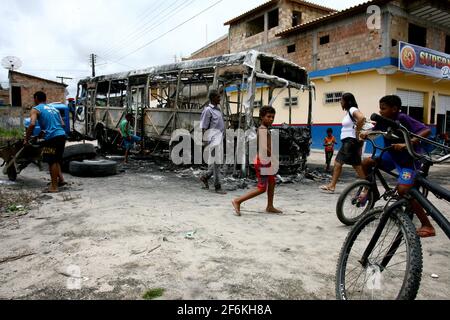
(443, 118)
(16, 97)
(137, 104)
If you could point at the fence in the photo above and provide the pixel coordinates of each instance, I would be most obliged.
(11, 117)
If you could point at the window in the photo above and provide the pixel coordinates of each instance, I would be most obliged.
(291, 48)
(257, 104)
(333, 97)
(294, 101)
(324, 39)
(412, 103)
(255, 26)
(273, 19)
(447, 44)
(296, 18)
(16, 97)
(417, 35)
(118, 94)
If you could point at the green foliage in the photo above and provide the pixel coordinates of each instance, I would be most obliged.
(153, 294)
(11, 133)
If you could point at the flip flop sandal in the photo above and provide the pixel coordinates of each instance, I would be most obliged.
(326, 189)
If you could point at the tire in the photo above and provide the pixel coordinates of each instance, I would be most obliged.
(12, 173)
(348, 209)
(77, 152)
(403, 286)
(93, 168)
(80, 151)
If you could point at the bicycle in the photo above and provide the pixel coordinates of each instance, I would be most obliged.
(383, 253)
(351, 205)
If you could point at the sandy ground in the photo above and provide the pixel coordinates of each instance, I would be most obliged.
(145, 228)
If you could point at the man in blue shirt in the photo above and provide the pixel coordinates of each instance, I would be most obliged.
(51, 125)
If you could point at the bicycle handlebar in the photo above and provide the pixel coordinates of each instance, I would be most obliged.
(394, 125)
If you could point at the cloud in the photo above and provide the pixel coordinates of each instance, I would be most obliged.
(55, 37)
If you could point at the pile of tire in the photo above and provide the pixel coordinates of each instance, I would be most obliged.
(80, 160)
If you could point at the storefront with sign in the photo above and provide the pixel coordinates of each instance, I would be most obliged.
(419, 77)
(423, 83)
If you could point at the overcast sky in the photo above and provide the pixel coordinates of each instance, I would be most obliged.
(55, 37)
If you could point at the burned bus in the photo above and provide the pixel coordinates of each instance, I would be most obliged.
(170, 97)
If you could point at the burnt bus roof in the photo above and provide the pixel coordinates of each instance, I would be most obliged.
(283, 69)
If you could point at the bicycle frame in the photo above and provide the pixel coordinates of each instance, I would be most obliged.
(376, 172)
(414, 193)
(434, 213)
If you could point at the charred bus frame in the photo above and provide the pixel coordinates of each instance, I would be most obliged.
(170, 97)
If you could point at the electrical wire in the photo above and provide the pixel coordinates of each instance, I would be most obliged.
(176, 27)
(138, 33)
(162, 19)
(135, 28)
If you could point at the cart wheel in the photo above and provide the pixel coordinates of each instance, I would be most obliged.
(12, 173)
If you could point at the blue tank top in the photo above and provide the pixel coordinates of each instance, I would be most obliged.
(50, 121)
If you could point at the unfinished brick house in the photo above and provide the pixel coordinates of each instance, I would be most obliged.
(23, 86)
(356, 50)
(4, 96)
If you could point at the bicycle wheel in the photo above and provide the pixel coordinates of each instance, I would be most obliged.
(399, 279)
(351, 206)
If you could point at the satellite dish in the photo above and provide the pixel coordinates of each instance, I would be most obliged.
(11, 63)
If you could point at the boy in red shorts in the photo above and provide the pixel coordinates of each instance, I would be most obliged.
(263, 165)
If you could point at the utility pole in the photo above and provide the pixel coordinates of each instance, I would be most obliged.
(93, 61)
(63, 78)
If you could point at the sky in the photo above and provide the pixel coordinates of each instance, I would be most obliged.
(56, 37)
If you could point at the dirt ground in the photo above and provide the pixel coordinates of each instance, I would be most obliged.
(147, 228)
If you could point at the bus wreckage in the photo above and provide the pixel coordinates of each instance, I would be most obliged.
(170, 97)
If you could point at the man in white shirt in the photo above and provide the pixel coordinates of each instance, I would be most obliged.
(213, 125)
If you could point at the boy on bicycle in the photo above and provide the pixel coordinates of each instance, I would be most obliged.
(397, 157)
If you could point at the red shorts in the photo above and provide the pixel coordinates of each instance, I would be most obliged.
(263, 180)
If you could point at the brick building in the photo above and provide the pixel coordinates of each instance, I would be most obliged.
(4, 96)
(215, 48)
(23, 86)
(355, 50)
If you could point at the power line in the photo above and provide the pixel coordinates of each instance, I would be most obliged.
(159, 37)
(138, 32)
(156, 24)
(136, 27)
(115, 62)
(63, 78)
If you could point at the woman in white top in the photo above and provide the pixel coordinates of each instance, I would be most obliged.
(351, 150)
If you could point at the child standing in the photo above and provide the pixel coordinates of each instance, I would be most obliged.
(127, 135)
(329, 143)
(262, 161)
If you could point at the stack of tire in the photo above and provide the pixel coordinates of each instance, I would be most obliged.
(80, 160)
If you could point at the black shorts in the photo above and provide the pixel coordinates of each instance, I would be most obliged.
(350, 152)
(53, 150)
(328, 156)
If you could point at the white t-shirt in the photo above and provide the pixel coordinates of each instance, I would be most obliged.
(348, 127)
